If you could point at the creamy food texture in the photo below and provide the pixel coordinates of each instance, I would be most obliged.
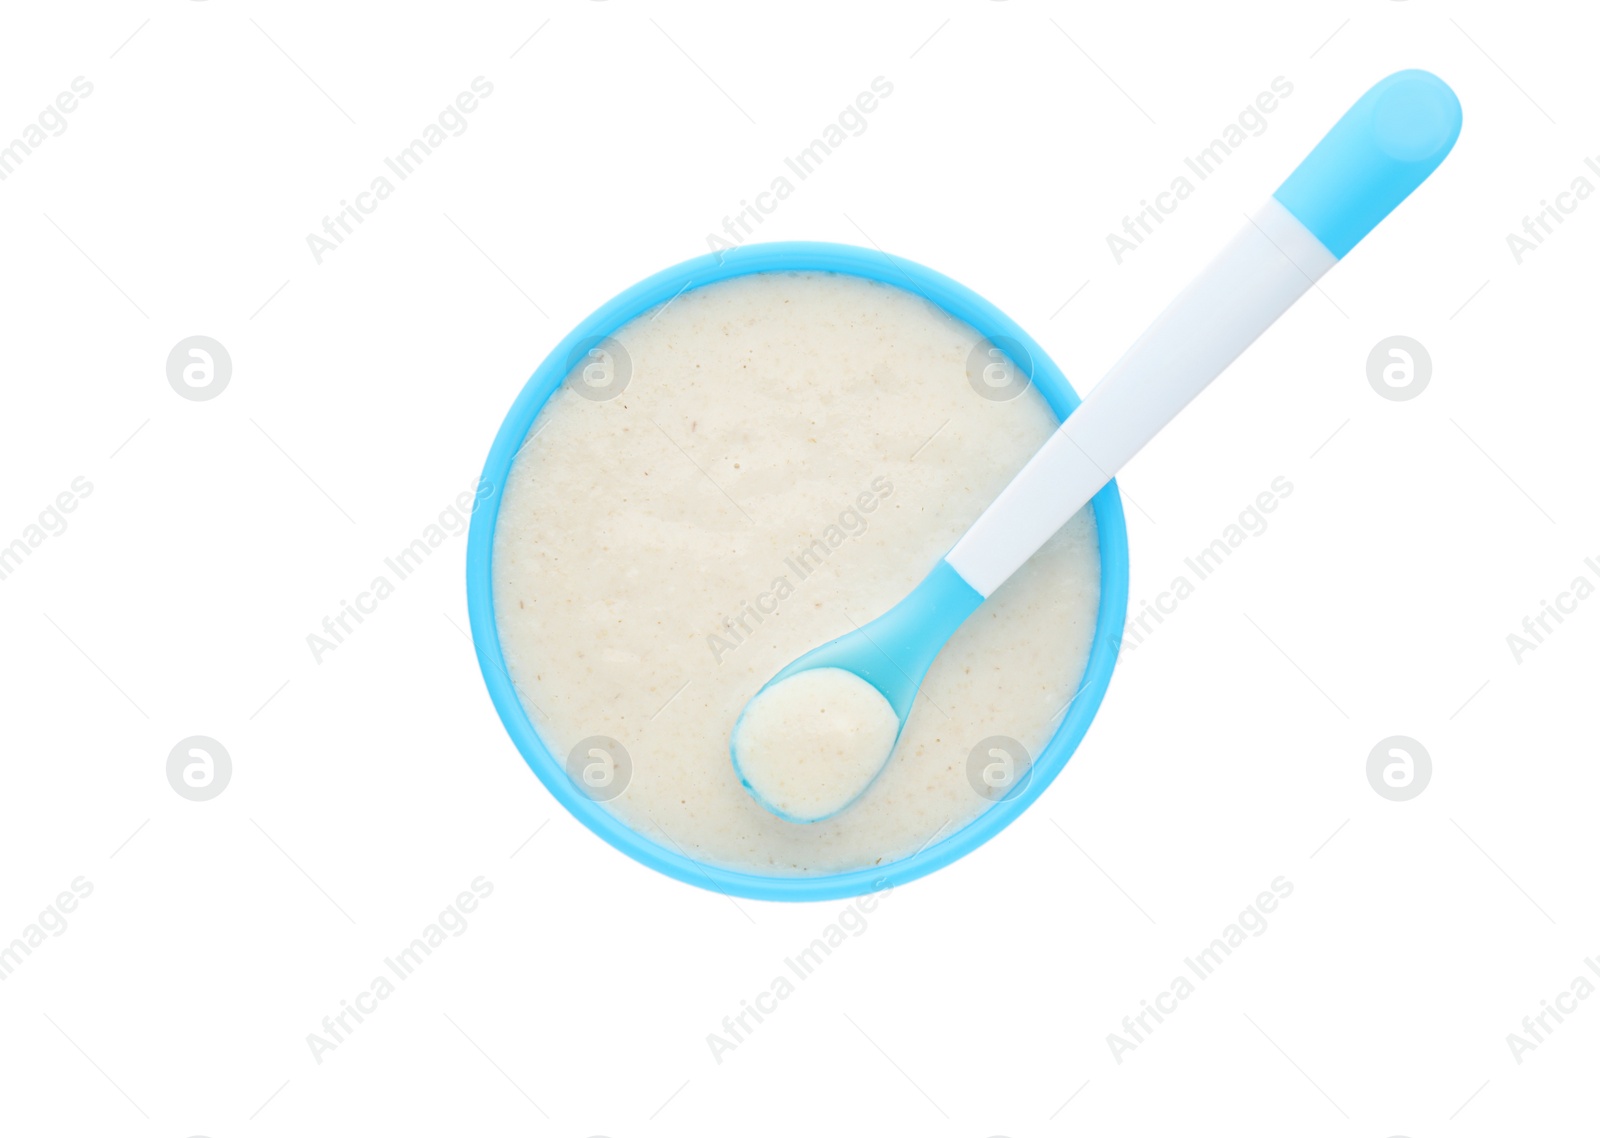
(809, 744)
(754, 469)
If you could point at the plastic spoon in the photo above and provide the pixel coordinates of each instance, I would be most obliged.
(1384, 147)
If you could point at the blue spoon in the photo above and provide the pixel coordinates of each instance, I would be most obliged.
(1383, 148)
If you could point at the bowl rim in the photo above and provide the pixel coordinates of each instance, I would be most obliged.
(659, 289)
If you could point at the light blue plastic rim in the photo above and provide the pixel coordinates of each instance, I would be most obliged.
(787, 256)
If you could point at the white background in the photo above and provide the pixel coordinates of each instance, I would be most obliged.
(368, 790)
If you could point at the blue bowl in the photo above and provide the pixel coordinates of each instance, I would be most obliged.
(782, 257)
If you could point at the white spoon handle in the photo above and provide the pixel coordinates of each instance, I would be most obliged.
(1382, 149)
(1267, 266)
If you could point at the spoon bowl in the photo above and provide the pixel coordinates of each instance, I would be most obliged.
(549, 765)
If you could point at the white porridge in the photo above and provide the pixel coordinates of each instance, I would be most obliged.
(791, 454)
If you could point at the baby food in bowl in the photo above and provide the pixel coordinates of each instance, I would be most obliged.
(736, 473)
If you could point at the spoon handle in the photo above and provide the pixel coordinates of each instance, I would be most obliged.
(1382, 149)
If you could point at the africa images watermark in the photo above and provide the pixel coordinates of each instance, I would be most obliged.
(1539, 227)
(1203, 965)
(52, 920)
(453, 118)
(739, 1026)
(451, 922)
(452, 521)
(52, 119)
(1253, 118)
(1251, 522)
(1537, 1028)
(51, 522)
(1551, 615)
(851, 523)
(738, 228)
